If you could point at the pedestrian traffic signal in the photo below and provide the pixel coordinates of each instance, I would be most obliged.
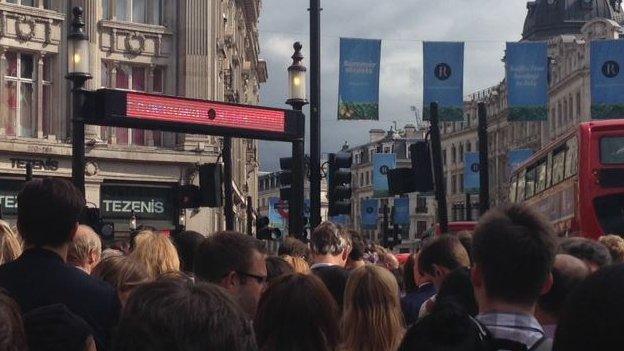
(339, 183)
(188, 196)
(285, 178)
(210, 185)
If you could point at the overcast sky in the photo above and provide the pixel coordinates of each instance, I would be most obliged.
(485, 26)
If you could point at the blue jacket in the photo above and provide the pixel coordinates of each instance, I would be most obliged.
(411, 302)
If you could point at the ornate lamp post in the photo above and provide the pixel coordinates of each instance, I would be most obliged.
(297, 80)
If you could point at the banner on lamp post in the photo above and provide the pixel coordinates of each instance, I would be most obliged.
(370, 210)
(472, 182)
(443, 64)
(401, 211)
(526, 68)
(382, 163)
(607, 79)
(358, 91)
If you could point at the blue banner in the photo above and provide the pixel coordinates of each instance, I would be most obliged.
(472, 182)
(443, 64)
(401, 211)
(358, 92)
(526, 66)
(607, 79)
(515, 158)
(277, 211)
(343, 220)
(370, 210)
(381, 164)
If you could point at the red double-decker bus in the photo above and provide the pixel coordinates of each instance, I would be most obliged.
(577, 181)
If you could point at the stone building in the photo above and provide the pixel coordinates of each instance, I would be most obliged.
(422, 211)
(205, 49)
(568, 27)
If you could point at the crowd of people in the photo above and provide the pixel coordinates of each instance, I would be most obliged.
(509, 285)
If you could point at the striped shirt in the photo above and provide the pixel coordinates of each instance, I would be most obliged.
(521, 328)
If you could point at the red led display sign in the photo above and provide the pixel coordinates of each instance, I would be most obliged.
(169, 109)
(121, 108)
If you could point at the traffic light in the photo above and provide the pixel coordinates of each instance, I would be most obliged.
(418, 178)
(285, 178)
(91, 217)
(339, 183)
(210, 185)
(188, 196)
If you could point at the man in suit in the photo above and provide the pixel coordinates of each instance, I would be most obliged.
(47, 219)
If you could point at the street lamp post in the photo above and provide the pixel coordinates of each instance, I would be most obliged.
(78, 74)
(315, 112)
(297, 99)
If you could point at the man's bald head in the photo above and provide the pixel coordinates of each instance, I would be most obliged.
(85, 250)
(568, 271)
(571, 266)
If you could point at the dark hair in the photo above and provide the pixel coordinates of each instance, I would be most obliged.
(175, 314)
(357, 246)
(514, 248)
(409, 284)
(593, 315)
(293, 247)
(297, 313)
(327, 238)
(447, 328)
(444, 251)
(335, 279)
(457, 287)
(12, 335)
(186, 243)
(586, 250)
(48, 210)
(224, 252)
(55, 327)
(276, 267)
(566, 278)
(465, 238)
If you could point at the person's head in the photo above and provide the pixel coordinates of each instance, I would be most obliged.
(440, 256)
(615, 245)
(187, 243)
(593, 315)
(236, 262)
(447, 328)
(513, 252)
(85, 249)
(297, 313)
(329, 244)
(298, 264)
(48, 212)
(12, 335)
(356, 255)
(156, 252)
(372, 318)
(276, 267)
(175, 314)
(123, 273)
(568, 272)
(10, 246)
(335, 279)
(465, 238)
(457, 287)
(55, 327)
(293, 247)
(592, 252)
(419, 278)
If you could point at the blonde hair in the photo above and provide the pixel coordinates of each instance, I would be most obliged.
(615, 244)
(372, 319)
(298, 264)
(10, 243)
(156, 252)
(122, 272)
(85, 242)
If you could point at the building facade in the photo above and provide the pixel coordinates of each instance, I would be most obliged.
(568, 27)
(206, 49)
(422, 209)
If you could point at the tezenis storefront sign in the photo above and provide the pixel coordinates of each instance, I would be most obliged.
(8, 195)
(120, 201)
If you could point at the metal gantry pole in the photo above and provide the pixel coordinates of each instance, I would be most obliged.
(249, 216)
(78, 135)
(295, 206)
(228, 191)
(484, 170)
(438, 170)
(468, 207)
(315, 112)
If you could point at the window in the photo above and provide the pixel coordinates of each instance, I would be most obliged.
(361, 179)
(521, 183)
(578, 105)
(421, 227)
(461, 183)
(529, 186)
(421, 204)
(541, 177)
(571, 163)
(512, 189)
(19, 82)
(453, 184)
(453, 154)
(558, 171)
(23, 2)
(138, 11)
(612, 150)
(468, 147)
(461, 153)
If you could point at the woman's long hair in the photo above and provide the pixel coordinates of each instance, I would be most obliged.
(10, 243)
(372, 319)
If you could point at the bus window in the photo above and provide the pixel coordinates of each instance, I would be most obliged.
(558, 170)
(571, 164)
(520, 191)
(512, 189)
(610, 212)
(541, 177)
(529, 186)
(612, 150)
(549, 171)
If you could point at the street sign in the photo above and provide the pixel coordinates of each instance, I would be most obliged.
(120, 108)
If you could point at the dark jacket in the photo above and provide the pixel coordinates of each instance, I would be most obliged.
(40, 278)
(411, 302)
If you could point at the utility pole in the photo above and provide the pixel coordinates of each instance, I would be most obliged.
(438, 170)
(484, 170)
(227, 183)
(315, 113)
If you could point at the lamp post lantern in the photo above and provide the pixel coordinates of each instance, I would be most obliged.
(78, 74)
(297, 99)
